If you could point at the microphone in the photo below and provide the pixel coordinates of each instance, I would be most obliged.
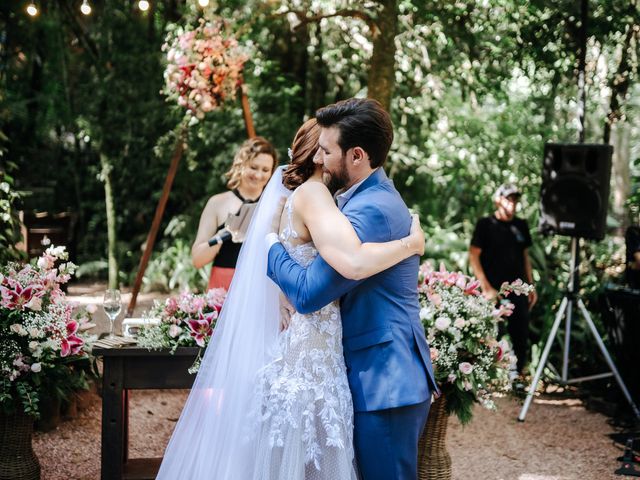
(223, 237)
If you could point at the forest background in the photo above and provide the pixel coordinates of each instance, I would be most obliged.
(475, 89)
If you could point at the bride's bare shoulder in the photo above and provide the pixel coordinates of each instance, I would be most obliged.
(313, 190)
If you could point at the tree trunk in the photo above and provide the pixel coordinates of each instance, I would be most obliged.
(111, 220)
(619, 83)
(621, 172)
(382, 69)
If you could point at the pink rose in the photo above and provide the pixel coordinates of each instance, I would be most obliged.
(434, 354)
(466, 368)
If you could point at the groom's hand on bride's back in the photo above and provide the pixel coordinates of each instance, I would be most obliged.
(286, 311)
(416, 234)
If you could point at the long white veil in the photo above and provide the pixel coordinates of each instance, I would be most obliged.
(210, 439)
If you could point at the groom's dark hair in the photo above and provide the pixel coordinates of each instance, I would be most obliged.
(363, 123)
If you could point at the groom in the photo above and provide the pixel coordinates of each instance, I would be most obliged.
(386, 353)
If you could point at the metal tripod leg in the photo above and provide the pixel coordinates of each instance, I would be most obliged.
(605, 353)
(543, 359)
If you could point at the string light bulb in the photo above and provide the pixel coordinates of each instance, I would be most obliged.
(143, 5)
(32, 9)
(85, 8)
(203, 3)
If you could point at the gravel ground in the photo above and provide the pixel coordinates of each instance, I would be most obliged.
(560, 439)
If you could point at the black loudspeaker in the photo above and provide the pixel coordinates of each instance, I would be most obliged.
(575, 189)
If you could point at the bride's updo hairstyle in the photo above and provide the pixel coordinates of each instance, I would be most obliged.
(303, 149)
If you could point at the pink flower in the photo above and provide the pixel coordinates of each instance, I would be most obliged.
(91, 308)
(72, 344)
(200, 330)
(465, 367)
(434, 354)
(18, 297)
(473, 288)
(171, 306)
(434, 298)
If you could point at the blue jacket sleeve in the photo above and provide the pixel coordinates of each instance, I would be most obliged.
(311, 288)
(308, 289)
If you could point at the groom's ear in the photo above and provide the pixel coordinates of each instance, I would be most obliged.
(359, 156)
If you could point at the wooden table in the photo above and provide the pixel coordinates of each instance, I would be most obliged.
(131, 368)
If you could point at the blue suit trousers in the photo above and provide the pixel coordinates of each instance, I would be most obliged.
(386, 441)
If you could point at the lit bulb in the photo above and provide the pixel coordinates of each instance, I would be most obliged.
(32, 9)
(143, 5)
(85, 8)
(203, 3)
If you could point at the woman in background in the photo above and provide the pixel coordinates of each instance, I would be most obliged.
(252, 167)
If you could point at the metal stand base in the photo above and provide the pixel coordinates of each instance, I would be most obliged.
(567, 306)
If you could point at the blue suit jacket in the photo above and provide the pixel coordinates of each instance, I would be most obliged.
(385, 349)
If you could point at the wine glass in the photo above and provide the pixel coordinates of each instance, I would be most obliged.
(112, 305)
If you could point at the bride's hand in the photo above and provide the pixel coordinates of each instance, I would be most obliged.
(416, 235)
(286, 311)
(275, 221)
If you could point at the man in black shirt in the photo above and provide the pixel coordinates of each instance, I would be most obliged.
(499, 253)
(632, 241)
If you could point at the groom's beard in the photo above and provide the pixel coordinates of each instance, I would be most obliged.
(339, 179)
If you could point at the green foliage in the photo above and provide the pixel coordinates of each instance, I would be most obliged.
(479, 87)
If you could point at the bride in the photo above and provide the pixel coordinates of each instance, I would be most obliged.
(266, 404)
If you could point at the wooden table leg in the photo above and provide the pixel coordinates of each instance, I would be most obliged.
(113, 401)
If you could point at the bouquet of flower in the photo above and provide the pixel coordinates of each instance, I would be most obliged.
(42, 352)
(204, 66)
(184, 321)
(462, 327)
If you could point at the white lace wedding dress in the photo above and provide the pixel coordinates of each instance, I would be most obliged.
(305, 411)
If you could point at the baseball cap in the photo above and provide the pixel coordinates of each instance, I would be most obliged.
(505, 190)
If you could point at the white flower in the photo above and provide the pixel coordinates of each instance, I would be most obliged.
(424, 313)
(35, 304)
(36, 367)
(33, 345)
(466, 368)
(442, 323)
(19, 329)
(91, 308)
(467, 385)
(34, 332)
(459, 323)
(451, 378)
(174, 331)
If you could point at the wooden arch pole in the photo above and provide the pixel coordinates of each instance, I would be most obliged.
(246, 111)
(162, 203)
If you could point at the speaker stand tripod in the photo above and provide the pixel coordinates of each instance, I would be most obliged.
(570, 299)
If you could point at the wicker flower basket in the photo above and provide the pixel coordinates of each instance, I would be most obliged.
(17, 459)
(434, 462)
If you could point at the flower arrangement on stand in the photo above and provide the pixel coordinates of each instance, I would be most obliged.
(184, 321)
(44, 356)
(204, 66)
(42, 346)
(470, 363)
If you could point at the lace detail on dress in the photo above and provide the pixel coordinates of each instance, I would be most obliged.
(305, 411)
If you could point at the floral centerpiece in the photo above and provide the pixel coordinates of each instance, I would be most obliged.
(42, 350)
(204, 66)
(470, 364)
(184, 321)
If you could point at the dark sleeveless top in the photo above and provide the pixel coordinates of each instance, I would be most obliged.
(228, 254)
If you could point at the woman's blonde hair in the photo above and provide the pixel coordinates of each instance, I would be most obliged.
(249, 150)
